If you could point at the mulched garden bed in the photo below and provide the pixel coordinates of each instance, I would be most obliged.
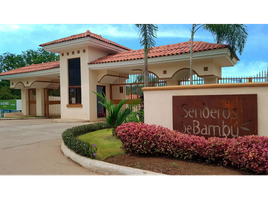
(172, 166)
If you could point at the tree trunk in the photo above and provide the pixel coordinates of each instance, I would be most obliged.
(191, 56)
(146, 84)
(114, 132)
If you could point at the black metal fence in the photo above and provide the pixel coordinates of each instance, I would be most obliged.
(186, 80)
(260, 77)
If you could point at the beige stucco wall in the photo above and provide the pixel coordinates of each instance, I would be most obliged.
(24, 102)
(40, 102)
(31, 82)
(74, 112)
(27, 82)
(89, 82)
(174, 67)
(158, 101)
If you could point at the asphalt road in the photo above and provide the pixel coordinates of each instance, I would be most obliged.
(32, 147)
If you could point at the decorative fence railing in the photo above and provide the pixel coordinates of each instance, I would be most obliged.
(260, 77)
(196, 80)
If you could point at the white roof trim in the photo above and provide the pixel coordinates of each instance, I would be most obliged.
(31, 74)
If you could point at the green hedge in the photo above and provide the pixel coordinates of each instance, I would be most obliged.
(82, 148)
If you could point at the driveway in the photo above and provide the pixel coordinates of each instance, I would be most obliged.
(32, 147)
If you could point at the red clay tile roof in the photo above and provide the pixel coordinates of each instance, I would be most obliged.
(84, 35)
(160, 51)
(33, 68)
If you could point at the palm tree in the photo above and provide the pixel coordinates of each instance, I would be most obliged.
(147, 34)
(117, 115)
(234, 35)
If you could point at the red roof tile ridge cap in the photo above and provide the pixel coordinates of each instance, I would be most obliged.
(85, 34)
(212, 43)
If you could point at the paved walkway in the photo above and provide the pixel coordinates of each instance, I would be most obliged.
(32, 147)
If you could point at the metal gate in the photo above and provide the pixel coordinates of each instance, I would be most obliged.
(52, 103)
(131, 88)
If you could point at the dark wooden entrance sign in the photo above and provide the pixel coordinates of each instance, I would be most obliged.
(216, 115)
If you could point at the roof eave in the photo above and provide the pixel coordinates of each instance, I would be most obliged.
(165, 59)
(31, 74)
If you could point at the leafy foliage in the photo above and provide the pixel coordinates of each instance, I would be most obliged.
(5, 93)
(134, 117)
(116, 115)
(234, 35)
(147, 33)
(82, 148)
(9, 61)
(247, 153)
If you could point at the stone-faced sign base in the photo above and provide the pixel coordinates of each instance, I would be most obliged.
(216, 115)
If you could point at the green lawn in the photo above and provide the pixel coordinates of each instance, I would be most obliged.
(107, 144)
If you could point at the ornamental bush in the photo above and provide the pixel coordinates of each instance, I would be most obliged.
(82, 148)
(246, 153)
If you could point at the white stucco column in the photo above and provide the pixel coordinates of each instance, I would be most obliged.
(40, 102)
(93, 97)
(24, 102)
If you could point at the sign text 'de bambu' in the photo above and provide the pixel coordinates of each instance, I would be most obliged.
(216, 115)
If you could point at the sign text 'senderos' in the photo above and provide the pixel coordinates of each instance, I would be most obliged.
(216, 115)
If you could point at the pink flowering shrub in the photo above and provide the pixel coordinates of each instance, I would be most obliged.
(248, 152)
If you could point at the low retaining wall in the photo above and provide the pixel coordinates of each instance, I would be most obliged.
(159, 110)
(103, 167)
(15, 114)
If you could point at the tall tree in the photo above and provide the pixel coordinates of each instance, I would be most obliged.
(234, 35)
(5, 93)
(9, 61)
(147, 33)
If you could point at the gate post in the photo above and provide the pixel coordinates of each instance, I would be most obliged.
(46, 94)
(40, 102)
(25, 102)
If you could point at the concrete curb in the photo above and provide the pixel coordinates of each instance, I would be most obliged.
(4, 118)
(103, 167)
(70, 121)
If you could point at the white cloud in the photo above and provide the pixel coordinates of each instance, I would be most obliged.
(15, 27)
(130, 31)
(108, 30)
(125, 31)
(244, 68)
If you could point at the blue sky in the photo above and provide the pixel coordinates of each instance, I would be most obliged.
(16, 38)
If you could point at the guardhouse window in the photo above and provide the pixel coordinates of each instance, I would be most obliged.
(121, 89)
(74, 81)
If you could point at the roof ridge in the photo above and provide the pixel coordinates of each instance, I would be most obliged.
(83, 35)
